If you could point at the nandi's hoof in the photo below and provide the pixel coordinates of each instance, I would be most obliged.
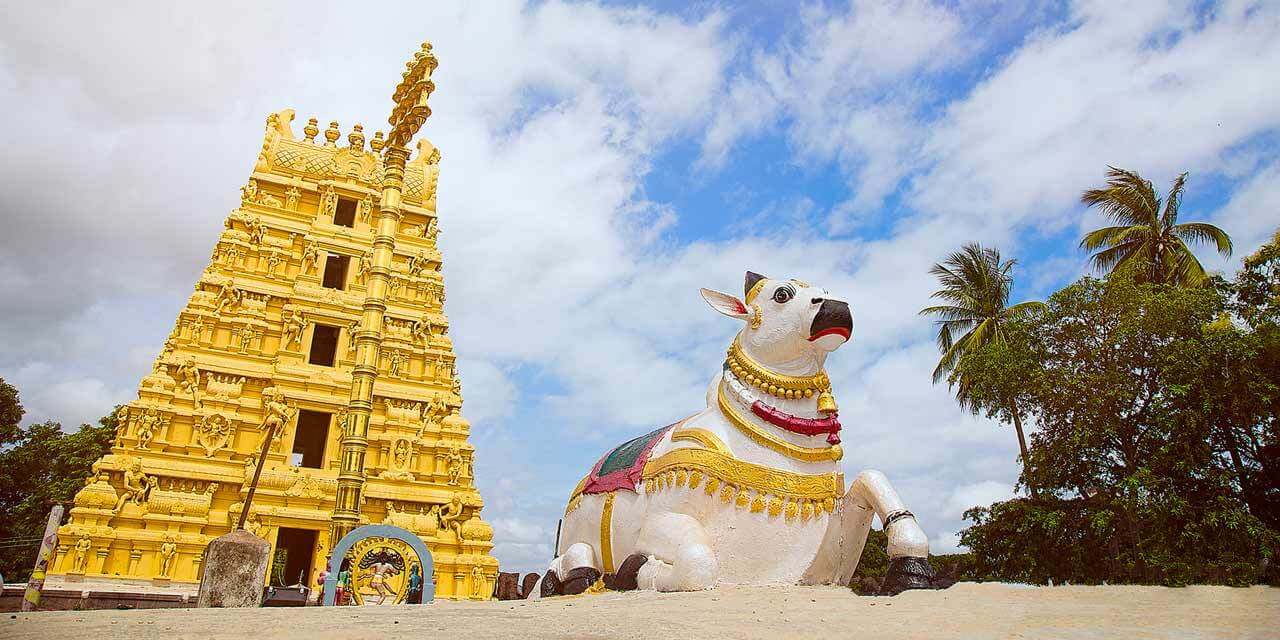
(578, 580)
(625, 578)
(906, 572)
(550, 584)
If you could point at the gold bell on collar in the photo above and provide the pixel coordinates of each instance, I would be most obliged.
(827, 402)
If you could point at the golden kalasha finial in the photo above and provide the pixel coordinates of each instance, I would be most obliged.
(377, 143)
(356, 138)
(312, 128)
(331, 134)
(410, 97)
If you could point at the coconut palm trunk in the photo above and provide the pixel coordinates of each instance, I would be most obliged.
(975, 285)
(1022, 446)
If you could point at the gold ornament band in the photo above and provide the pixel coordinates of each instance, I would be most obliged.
(606, 532)
(782, 386)
(770, 441)
(745, 485)
(755, 290)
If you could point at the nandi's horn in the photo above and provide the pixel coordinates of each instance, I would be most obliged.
(751, 286)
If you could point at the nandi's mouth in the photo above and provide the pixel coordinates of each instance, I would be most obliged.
(833, 319)
(832, 331)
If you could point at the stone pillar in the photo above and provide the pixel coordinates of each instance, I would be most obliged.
(235, 569)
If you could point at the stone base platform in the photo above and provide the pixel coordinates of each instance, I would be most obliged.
(69, 599)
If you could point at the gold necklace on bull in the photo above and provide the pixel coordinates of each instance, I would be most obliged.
(776, 384)
(744, 369)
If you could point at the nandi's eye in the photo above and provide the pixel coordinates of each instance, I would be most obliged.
(782, 295)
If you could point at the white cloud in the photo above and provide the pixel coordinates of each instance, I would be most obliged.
(845, 83)
(1251, 216)
(978, 494)
(1146, 88)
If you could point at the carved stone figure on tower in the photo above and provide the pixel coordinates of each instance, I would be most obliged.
(366, 208)
(417, 263)
(122, 424)
(276, 413)
(294, 325)
(189, 379)
(253, 226)
(328, 200)
(362, 269)
(478, 582)
(83, 545)
(421, 328)
(148, 424)
(351, 336)
(228, 297)
(451, 516)
(455, 462)
(396, 360)
(249, 192)
(167, 551)
(310, 258)
(136, 486)
(212, 433)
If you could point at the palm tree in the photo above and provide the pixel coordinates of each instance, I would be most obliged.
(975, 286)
(1147, 240)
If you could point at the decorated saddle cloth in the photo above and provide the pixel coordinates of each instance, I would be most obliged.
(623, 467)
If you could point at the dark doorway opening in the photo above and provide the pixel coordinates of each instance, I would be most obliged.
(324, 344)
(335, 271)
(295, 549)
(309, 439)
(345, 214)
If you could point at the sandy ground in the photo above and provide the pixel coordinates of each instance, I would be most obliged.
(964, 611)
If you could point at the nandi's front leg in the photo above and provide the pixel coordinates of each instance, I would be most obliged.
(908, 547)
(679, 554)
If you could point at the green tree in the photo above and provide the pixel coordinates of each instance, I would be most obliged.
(1129, 385)
(40, 465)
(1148, 239)
(975, 286)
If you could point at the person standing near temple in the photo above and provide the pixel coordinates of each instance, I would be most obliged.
(344, 582)
(415, 586)
(320, 580)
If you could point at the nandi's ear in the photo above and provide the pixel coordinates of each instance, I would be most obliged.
(725, 303)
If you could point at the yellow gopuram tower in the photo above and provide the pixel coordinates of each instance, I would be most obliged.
(321, 310)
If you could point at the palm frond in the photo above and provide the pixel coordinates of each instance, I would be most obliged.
(950, 356)
(1173, 201)
(1127, 199)
(1108, 259)
(1023, 309)
(1203, 232)
(1112, 236)
(1184, 269)
(948, 312)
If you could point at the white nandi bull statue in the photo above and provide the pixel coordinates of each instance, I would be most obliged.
(748, 490)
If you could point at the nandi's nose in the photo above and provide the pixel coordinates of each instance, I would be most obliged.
(833, 319)
(817, 300)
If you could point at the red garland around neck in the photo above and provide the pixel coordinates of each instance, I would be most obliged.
(795, 424)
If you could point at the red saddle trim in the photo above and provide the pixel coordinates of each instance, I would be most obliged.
(627, 478)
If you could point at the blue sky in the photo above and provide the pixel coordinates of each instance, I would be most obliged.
(602, 162)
